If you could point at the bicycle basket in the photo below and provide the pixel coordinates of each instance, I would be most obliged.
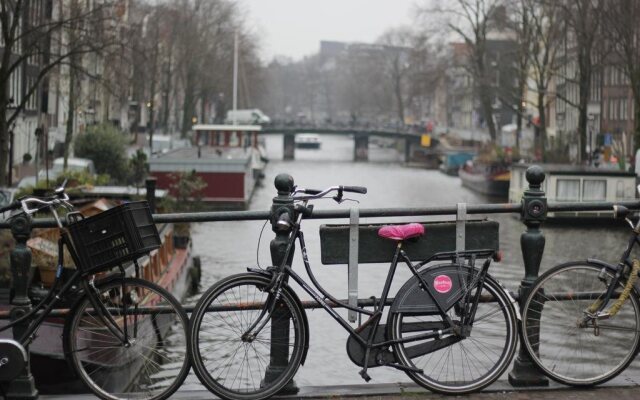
(120, 234)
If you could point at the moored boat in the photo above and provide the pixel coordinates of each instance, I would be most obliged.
(308, 141)
(451, 161)
(228, 158)
(575, 183)
(171, 266)
(488, 178)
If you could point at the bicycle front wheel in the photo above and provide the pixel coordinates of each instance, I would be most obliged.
(569, 347)
(131, 344)
(459, 364)
(233, 364)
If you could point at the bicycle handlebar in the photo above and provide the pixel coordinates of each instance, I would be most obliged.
(59, 199)
(355, 189)
(311, 194)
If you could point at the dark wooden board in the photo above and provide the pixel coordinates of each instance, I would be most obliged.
(439, 237)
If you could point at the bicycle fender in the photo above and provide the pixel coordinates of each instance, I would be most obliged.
(444, 286)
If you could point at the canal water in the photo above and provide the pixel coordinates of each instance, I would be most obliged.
(230, 247)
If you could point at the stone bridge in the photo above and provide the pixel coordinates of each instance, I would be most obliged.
(410, 138)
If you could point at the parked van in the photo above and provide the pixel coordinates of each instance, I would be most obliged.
(73, 164)
(252, 116)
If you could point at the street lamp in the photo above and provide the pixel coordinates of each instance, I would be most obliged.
(11, 106)
(591, 118)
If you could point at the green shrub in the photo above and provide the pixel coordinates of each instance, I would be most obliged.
(106, 147)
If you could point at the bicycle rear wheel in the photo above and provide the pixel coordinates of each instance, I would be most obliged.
(459, 365)
(229, 364)
(566, 350)
(151, 364)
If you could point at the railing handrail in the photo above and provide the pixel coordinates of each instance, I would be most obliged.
(497, 208)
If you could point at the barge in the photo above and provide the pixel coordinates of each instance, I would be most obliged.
(491, 179)
(171, 266)
(228, 158)
(574, 183)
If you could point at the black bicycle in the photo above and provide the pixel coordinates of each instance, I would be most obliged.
(451, 327)
(125, 337)
(581, 320)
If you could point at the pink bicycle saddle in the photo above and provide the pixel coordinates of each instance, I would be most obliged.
(401, 232)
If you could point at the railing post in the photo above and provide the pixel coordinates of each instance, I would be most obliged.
(532, 241)
(279, 358)
(23, 387)
(150, 184)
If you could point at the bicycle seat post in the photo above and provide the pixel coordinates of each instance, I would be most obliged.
(24, 385)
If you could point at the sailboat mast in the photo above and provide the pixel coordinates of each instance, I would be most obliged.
(235, 77)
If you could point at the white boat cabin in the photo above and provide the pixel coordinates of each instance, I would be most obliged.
(571, 183)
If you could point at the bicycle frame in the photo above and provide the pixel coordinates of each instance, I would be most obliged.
(42, 310)
(624, 264)
(374, 316)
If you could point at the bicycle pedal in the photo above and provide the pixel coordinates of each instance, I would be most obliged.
(365, 376)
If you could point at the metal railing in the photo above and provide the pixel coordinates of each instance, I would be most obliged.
(532, 209)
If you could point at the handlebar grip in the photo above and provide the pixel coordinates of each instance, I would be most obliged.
(355, 189)
(312, 191)
(13, 206)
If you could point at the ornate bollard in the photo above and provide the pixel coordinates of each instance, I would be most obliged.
(282, 203)
(23, 387)
(532, 241)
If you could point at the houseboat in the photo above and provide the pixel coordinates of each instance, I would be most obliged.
(171, 266)
(451, 161)
(488, 178)
(228, 158)
(571, 183)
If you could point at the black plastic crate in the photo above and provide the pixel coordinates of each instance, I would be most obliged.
(120, 234)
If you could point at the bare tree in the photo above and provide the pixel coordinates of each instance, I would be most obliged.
(545, 39)
(623, 37)
(582, 19)
(29, 35)
(397, 56)
(478, 18)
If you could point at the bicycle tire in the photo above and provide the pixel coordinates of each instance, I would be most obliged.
(565, 351)
(152, 365)
(216, 339)
(459, 367)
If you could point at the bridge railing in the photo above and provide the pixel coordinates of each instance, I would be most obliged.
(532, 209)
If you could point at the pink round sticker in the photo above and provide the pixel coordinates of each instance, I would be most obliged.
(442, 284)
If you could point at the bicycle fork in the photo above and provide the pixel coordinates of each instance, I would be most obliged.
(105, 316)
(275, 291)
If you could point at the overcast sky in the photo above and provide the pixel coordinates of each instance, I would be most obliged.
(294, 28)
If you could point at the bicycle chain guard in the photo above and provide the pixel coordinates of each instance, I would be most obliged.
(445, 285)
(377, 356)
(13, 359)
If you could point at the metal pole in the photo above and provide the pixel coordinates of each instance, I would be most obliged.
(23, 387)
(532, 241)
(282, 203)
(150, 184)
(235, 77)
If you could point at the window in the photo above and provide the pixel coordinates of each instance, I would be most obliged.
(620, 190)
(612, 115)
(568, 190)
(594, 190)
